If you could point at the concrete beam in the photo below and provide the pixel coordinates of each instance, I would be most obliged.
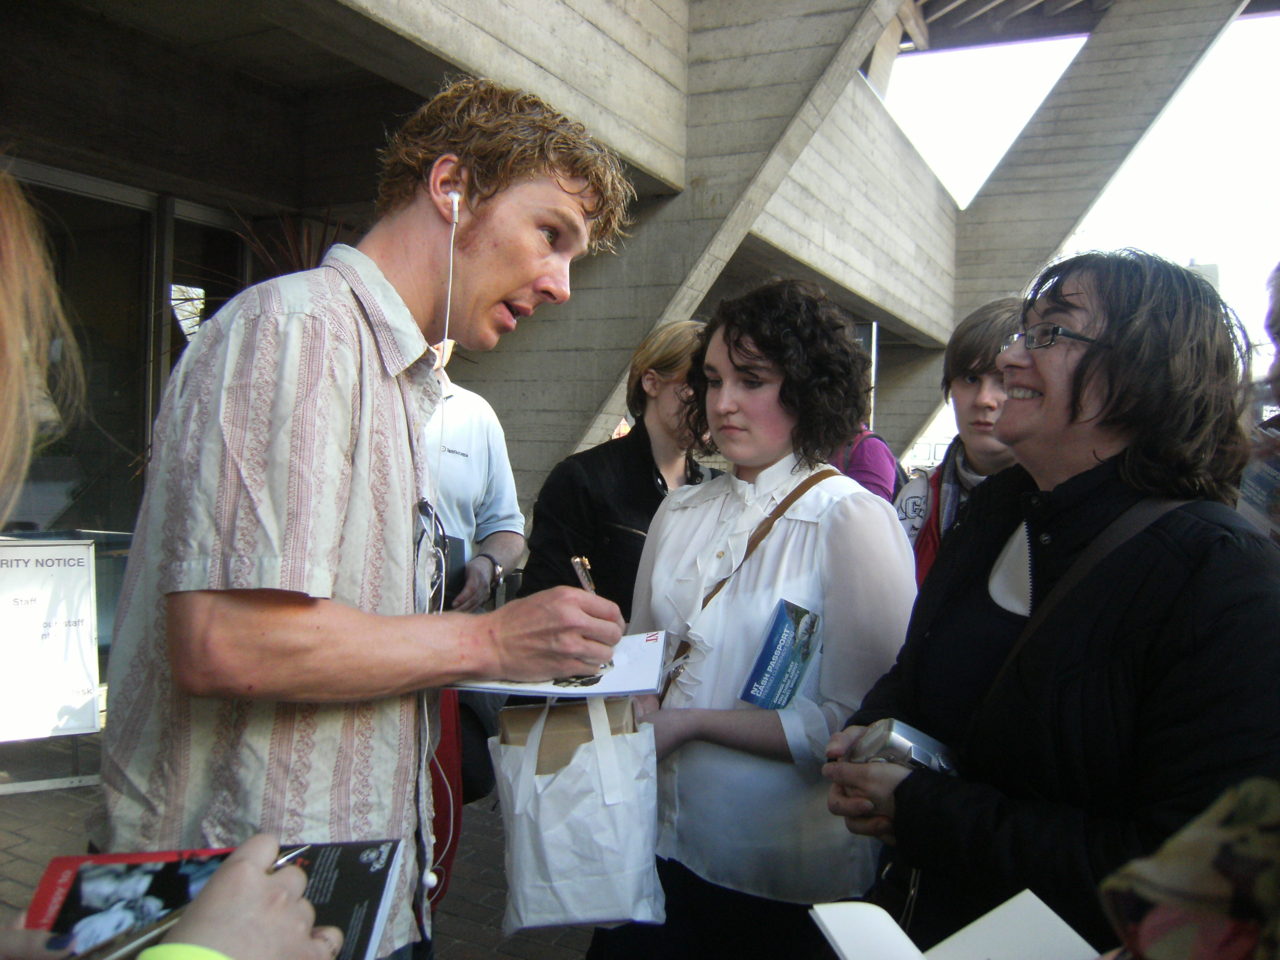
(762, 78)
(907, 393)
(83, 95)
(1128, 70)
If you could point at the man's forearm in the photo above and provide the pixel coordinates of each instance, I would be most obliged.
(278, 645)
(275, 644)
(505, 546)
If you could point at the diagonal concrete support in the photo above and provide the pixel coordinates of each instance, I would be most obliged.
(1127, 71)
(786, 130)
(747, 128)
(762, 77)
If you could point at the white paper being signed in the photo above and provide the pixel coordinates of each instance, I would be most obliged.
(637, 668)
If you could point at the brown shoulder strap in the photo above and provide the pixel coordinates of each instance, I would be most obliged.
(759, 533)
(765, 525)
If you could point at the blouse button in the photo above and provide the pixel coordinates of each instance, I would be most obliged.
(1045, 539)
(719, 554)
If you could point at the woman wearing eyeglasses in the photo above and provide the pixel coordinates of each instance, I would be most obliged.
(1088, 722)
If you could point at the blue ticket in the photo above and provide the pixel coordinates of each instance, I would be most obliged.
(788, 647)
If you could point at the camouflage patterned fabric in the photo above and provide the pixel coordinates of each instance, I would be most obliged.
(1212, 891)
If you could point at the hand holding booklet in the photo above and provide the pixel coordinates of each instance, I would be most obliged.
(116, 904)
(1021, 928)
(636, 667)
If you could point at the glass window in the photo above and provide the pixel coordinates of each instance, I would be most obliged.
(207, 271)
(87, 484)
(91, 478)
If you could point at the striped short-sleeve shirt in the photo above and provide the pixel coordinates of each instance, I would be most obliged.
(282, 460)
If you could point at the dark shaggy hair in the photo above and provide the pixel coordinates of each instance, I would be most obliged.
(826, 375)
(1169, 362)
(978, 339)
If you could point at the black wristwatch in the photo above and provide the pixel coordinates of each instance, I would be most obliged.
(497, 571)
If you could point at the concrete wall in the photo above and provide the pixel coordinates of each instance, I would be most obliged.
(98, 99)
(907, 393)
(620, 66)
(1122, 78)
(863, 208)
(762, 76)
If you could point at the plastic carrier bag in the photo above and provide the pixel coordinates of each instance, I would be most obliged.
(580, 837)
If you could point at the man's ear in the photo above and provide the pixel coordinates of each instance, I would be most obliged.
(446, 178)
(651, 383)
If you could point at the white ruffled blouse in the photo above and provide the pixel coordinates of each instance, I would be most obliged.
(743, 821)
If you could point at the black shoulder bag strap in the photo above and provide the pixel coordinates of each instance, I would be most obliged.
(1120, 531)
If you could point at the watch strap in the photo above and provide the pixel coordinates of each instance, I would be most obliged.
(498, 572)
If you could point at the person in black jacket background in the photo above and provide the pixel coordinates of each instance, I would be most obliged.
(598, 503)
(1153, 686)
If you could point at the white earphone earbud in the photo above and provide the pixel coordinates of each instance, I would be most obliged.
(456, 197)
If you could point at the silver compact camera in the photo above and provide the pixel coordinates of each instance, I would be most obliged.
(892, 741)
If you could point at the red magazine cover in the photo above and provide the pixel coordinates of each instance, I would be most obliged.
(99, 897)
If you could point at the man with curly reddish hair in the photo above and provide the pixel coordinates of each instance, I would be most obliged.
(273, 661)
(504, 136)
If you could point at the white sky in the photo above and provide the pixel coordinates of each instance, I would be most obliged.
(1202, 186)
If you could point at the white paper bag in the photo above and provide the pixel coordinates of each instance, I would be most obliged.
(580, 842)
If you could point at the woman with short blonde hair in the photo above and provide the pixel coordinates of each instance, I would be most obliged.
(598, 502)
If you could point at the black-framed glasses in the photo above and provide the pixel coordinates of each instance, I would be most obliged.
(1040, 336)
(429, 560)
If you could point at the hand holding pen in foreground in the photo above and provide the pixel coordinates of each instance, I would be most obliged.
(581, 629)
(251, 911)
(582, 569)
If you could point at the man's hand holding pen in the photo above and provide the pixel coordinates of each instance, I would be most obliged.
(582, 568)
(553, 633)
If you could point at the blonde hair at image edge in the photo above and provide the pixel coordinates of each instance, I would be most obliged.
(31, 320)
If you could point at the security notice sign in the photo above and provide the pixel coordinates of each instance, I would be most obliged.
(48, 641)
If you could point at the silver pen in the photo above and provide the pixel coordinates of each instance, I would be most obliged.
(582, 567)
(286, 858)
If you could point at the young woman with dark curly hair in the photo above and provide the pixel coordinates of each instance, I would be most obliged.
(778, 383)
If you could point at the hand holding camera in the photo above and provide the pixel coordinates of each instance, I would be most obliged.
(868, 764)
(892, 741)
